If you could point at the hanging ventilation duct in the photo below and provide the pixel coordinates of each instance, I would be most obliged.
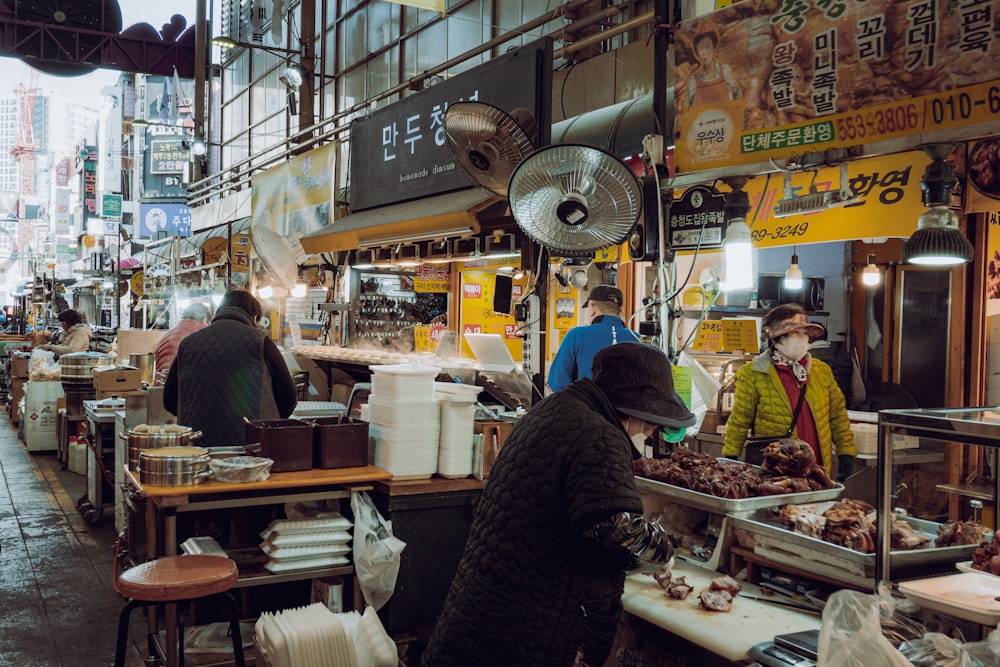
(619, 128)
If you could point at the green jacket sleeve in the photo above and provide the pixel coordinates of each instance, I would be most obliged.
(742, 417)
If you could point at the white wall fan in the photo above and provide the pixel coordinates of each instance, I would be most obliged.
(575, 199)
(487, 143)
(277, 256)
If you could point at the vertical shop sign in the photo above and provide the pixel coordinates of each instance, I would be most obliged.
(91, 205)
(62, 217)
(241, 252)
(62, 172)
(765, 79)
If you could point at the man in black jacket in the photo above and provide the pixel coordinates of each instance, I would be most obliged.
(227, 371)
(560, 520)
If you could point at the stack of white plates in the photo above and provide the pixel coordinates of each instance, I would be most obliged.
(405, 382)
(455, 452)
(314, 636)
(307, 409)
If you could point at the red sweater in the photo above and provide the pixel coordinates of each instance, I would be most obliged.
(166, 349)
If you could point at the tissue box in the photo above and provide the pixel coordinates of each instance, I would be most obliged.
(116, 378)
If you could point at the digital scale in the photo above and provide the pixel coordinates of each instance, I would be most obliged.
(795, 649)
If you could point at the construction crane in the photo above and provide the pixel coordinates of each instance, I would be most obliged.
(24, 142)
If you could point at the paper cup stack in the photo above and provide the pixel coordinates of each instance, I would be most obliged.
(404, 420)
(458, 412)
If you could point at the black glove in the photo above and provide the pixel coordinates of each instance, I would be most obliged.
(845, 467)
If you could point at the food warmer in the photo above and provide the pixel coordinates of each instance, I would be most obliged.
(964, 487)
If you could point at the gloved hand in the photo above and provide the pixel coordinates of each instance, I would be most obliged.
(845, 466)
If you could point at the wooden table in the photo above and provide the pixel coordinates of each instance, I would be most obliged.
(279, 488)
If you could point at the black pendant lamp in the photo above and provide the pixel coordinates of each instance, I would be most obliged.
(938, 241)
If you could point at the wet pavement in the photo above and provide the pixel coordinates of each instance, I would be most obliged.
(58, 606)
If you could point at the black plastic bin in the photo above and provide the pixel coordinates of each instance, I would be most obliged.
(288, 442)
(340, 442)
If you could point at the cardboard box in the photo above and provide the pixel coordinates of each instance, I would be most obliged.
(330, 592)
(19, 366)
(118, 379)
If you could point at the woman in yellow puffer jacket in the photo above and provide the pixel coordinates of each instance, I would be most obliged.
(767, 391)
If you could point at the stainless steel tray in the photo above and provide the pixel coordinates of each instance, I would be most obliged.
(739, 506)
(766, 523)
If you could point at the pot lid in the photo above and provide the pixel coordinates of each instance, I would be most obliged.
(172, 452)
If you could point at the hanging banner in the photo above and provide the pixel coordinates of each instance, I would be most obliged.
(763, 80)
(168, 219)
(294, 198)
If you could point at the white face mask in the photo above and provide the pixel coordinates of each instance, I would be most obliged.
(639, 440)
(793, 348)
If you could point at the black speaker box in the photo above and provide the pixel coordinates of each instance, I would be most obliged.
(644, 241)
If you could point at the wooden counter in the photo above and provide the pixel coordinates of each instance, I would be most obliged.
(435, 484)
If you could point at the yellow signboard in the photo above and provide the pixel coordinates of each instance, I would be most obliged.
(727, 336)
(709, 338)
(432, 278)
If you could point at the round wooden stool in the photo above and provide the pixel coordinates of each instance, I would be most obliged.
(174, 579)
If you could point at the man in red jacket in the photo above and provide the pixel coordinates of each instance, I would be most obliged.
(194, 318)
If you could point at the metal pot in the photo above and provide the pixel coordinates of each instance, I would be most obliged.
(140, 441)
(146, 363)
(174, 466)
(81, 364)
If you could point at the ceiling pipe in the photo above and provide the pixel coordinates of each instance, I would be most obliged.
(597, 38)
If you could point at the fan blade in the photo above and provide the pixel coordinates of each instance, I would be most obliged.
(486, 143)
(276, 254)
(575, 198)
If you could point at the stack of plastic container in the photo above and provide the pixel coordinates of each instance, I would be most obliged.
(458, 412)
(404, 420)
(303, 544)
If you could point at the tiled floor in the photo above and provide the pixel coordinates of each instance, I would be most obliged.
(58, 606)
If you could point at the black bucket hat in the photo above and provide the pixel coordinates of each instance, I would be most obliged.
(638, 381)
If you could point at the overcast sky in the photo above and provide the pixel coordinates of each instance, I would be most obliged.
(85, 89)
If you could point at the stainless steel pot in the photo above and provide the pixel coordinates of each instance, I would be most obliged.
(174, 466)
(142, 440)
(81, 364)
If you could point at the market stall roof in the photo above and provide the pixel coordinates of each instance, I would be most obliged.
(439, 214)
(158, 252)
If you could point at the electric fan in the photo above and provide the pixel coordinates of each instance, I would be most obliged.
(487, 143)
(277, 256)
(575, 199)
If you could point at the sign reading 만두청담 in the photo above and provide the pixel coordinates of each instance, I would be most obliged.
(399, 152)
(697, 219)
(763, 79)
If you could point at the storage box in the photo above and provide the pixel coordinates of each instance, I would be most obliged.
(494, 433)
(118, 379)
(330, 592)
(288, 442)
(340, 442)
(19, 365)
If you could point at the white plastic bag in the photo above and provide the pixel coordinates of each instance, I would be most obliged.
(376, 551)
(851, 634)
(704, 387)
(42, 367)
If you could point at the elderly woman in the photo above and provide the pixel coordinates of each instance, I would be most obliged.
(768, 390)
(76, 336)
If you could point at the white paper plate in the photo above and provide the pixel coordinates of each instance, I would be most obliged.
(968, 595)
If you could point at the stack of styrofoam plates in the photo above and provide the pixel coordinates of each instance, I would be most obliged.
(455, 452)
(403, 381)
(455, 392)
(303, 544)
(307, 409)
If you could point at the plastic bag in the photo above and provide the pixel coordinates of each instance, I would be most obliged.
(704, 387)
(851, 634)
(376, 551)
(939, 650)
(42, 367)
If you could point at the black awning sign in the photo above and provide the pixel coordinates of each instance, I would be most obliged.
(697, 219)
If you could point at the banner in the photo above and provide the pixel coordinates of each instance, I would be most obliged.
(294, 198)
(171, 219)
(762, 80)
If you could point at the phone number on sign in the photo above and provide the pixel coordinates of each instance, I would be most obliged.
(782, 232)
(946, 110)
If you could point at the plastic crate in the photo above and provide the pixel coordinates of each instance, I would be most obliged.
(340, 442)
(287, 442)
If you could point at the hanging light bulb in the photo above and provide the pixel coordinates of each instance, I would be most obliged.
(793, 275)
(871, 276)
(737, 247)
(938, 241)
(265, 292)
(300, 290)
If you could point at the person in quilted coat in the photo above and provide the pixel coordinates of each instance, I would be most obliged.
(194, 318)
(768, 388)
(228, 371)
(76, 334)
(560, 521)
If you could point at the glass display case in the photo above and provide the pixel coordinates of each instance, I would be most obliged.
(937, 465)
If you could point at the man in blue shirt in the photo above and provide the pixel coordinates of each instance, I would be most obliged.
(577, 350)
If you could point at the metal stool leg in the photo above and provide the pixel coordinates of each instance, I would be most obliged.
(234, 628)
(122, 642)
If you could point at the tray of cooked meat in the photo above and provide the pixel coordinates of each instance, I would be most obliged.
(843, 534)
(789, 474)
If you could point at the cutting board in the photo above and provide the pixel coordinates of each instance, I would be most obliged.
(728, 634)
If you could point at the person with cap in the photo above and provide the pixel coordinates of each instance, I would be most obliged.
(769, 388)
(560, 522)
(604, 327)
(194, 318)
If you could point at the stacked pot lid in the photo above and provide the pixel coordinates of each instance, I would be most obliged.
(405, 420)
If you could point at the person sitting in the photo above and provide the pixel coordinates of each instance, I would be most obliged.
(76, 334)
